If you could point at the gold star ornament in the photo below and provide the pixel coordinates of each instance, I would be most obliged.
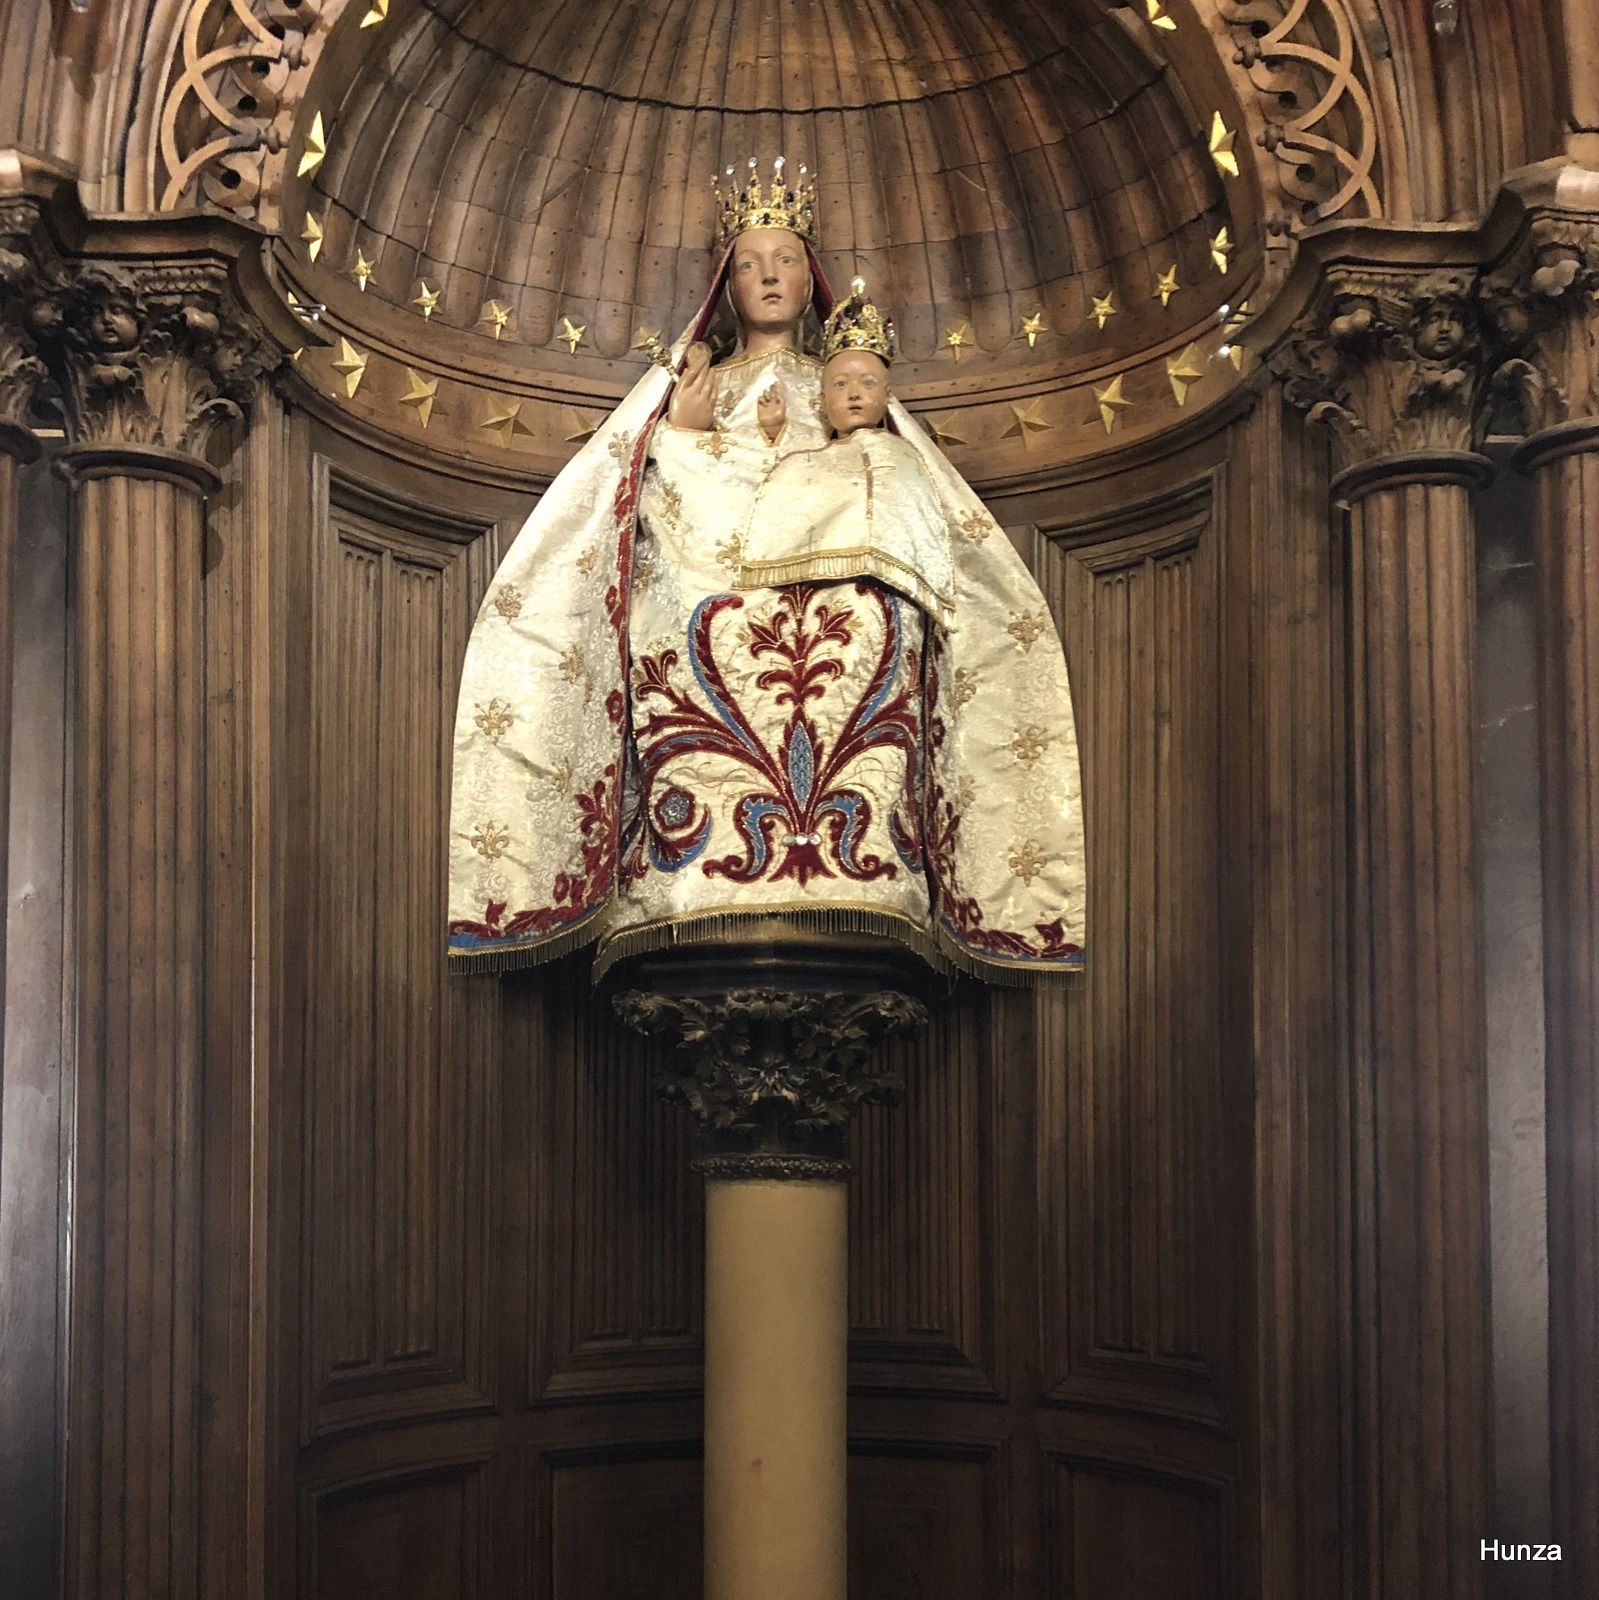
(1166, 285)
(1104, 308)
(1221, 248)
(427, 301)
(1111, 400)
(943, 429)
(498, 317)
(376, 12)
(1031, 328)
(505, 419)
(585, 427)
(571, 334)
(957, 339)
(1184, 371)
(316, 148)
(1221, 146)
(352, 366)
(1028, 422)
(423, 398)
(1155, 10)
(312, 233)
(361, 271)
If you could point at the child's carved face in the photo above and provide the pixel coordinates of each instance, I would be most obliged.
(855, 390)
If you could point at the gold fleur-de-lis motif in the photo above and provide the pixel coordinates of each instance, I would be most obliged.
(620, 448)
(586, 562)
(1026, 862)
(713, 442)
(1030, 744)
(965, 686)
(975, 526)
(572, 664)
(561, 778)
(508, 601)
(491, 841)
(730, 552)
(494, 719)
(1026, 626)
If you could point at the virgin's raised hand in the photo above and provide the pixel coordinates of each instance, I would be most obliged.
(693, 402)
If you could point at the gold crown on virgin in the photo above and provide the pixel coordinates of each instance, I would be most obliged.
(780, 204)
(856, 324)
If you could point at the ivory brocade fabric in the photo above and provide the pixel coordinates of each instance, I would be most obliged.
(651, 746)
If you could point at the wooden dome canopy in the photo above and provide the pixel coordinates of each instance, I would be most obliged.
(978, 161)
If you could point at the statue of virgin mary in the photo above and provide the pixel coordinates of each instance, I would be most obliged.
(650, 751)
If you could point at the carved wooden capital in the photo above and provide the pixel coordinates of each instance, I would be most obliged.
(771, 1075)
(22, 373)
(1390, 359)
(1540, 304)
(150, 356)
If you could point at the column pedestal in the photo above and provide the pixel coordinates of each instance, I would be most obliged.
(774, 1043)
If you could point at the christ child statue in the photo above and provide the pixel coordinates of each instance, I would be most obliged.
(862, 505)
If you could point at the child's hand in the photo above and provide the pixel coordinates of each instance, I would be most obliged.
(694, 399)
(772, 413)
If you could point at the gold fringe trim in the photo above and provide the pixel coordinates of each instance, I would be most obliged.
(1004, 974)
(710, 927)
(829, 566)
(535, 953)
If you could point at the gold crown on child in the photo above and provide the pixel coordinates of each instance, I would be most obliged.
(856, 324)
(780, 204)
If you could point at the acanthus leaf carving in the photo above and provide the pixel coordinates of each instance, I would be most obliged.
(1543, 316)
(1391, 361)
(156, 355)
(774, 1075)
(22, 374)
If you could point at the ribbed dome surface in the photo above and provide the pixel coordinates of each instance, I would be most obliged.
(977, 159)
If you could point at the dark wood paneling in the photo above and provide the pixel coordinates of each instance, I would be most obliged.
(416, 1537)
(35, 1069)
(616, 1215)
(1137, 1257)
(399, 1072)
(922, 1198)
(924, 1523)
(623, 1525)
(1121, 1534)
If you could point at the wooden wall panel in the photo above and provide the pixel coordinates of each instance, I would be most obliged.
(399, 1061)
(617, 1215)
(1121, 1534)
(413, 1537)
(623, 1525)
(922, 1261)
(923, 1522)
(1136, 1256)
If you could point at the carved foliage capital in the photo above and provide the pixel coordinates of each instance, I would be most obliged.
(1543, 314)
(1391, 360)
(22, 373)
(774, 1074)
(147, 355)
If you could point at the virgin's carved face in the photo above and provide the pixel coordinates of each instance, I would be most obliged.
(769, 280)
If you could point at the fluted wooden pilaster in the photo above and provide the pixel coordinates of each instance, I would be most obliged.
(1416, 1043)
(1565, 469)
(133, 1488)
(1390, 357)
(1543, 297)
